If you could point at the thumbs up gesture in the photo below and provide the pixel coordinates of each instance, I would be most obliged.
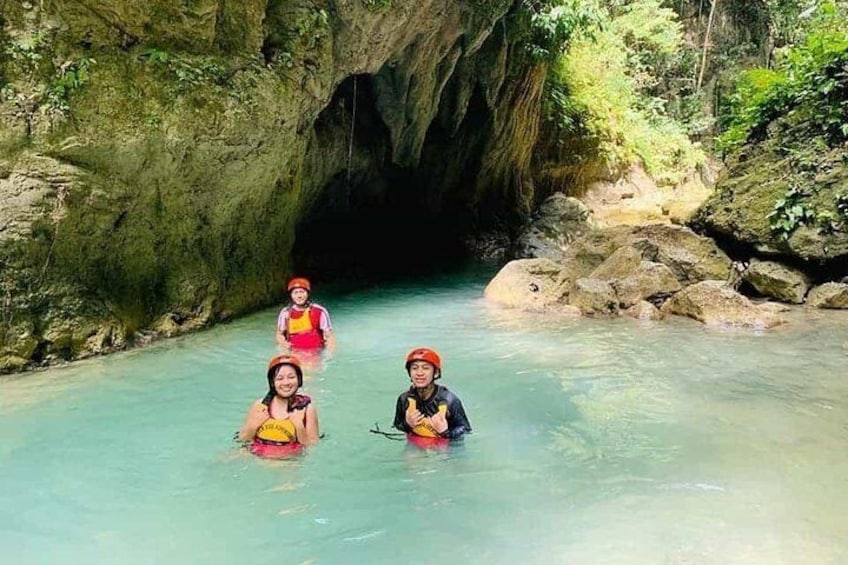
(413, 416)
(439, 420)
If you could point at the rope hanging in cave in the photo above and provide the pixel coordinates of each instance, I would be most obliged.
(350, 144)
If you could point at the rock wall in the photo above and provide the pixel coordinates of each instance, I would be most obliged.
(157, 158)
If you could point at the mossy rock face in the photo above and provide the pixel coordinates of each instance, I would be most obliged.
(160, 187)
(199, 25)
(745, 208)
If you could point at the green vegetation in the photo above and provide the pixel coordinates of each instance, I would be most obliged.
(552, 24)
(297, 33)
(71, 76)
(187, 72)
(799, 109)
(33, 81)
(314, 28)
(602, 90)
(809, 83)
(791, 212)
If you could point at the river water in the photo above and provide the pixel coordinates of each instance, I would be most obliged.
(595, 441)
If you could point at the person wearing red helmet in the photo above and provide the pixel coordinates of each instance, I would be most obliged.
(284, 421)
(303, 324)
(428, 410)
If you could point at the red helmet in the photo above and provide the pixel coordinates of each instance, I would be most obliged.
(299, 282)
(424, 354)
(280, 360)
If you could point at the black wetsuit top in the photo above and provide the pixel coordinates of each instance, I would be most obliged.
(458, 423)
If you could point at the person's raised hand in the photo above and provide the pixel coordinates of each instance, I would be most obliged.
(258, 415)
(439, 421)
(298, 417)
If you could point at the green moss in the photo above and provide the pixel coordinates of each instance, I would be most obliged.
(756, 184)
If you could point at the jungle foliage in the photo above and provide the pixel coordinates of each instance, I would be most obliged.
(605, 88)
(808, 81)
(630, 84)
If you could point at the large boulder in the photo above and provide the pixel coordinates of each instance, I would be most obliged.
(715, 303)
(558, 221)
(777, 281)
(529, 284)
(829, 295)
(691, 257)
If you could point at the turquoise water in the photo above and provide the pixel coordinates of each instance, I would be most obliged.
(595, 441)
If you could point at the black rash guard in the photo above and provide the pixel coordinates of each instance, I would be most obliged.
(458, 423)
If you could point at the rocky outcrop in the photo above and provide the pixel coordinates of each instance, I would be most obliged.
(160, 162)
(747, 203)
(648, 272)
(653, 282)
(612, 269)
(635, 279)
(783, 192)
(691, 258)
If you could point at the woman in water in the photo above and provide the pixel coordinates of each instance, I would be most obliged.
(284, 421)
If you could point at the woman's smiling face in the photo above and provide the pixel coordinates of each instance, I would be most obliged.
(286, 381)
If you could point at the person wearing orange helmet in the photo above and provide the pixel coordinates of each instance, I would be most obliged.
(303, 324)
(428, 410)
(284, 421)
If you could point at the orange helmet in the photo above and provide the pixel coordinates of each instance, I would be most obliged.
(424, 354)
(279, 360)
(299, 282)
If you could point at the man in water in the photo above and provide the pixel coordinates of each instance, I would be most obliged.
(428, 410)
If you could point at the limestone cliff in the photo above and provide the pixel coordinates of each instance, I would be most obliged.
(158, 159)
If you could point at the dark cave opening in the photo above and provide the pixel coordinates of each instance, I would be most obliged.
(372, 219)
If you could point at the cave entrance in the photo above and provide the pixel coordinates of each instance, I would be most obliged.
(370, 219)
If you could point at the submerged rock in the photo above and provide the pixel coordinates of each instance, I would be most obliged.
(715, 303)
(643, 310)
